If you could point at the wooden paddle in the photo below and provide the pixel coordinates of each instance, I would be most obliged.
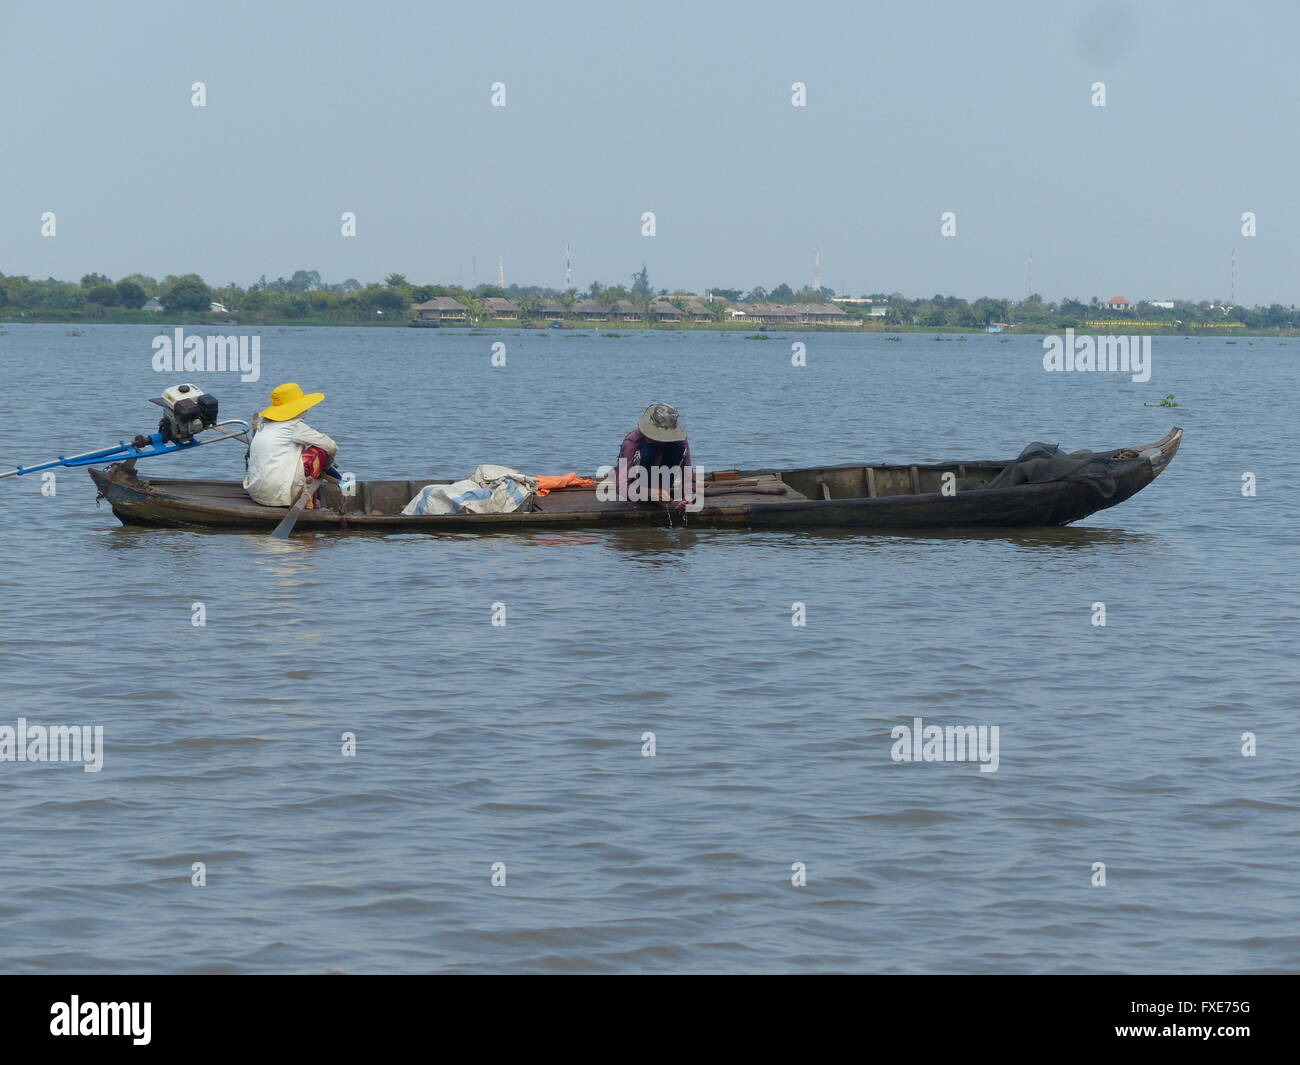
(282, 531)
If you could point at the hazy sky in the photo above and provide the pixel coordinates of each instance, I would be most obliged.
(684, 109)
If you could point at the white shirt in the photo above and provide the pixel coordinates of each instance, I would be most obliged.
(275, 476)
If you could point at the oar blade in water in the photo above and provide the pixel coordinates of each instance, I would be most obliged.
(282, 531)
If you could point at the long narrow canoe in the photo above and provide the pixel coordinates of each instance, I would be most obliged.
(873, 496)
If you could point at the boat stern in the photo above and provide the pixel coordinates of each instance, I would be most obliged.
(120, 486)
(101, 479)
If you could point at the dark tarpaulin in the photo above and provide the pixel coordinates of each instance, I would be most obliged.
(1041, 463)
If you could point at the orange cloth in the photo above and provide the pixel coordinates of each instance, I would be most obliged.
(546, 485)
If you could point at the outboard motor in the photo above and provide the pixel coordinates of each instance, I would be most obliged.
(188, 410)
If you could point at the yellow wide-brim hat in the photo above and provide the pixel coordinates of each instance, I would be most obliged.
(288, 401)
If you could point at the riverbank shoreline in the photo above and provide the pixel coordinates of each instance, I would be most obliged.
(204, 321)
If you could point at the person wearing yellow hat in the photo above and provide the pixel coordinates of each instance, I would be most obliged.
(286, 452)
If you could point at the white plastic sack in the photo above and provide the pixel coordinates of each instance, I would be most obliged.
(491, 490)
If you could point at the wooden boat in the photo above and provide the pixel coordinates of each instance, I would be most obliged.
(875, 496)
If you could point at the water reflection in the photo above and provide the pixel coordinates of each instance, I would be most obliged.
(292, 565)
(1045, 536)
(635, 538)
(656, 545)
(571, 539)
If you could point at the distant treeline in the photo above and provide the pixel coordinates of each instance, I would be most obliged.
(305, 296)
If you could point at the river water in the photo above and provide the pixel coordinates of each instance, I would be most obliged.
(522, 744)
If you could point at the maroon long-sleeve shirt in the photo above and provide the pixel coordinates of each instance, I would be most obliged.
(637, 448)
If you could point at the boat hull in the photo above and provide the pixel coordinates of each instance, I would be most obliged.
(774, 504)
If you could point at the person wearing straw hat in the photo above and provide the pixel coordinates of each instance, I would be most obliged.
(658, 444)
(286, 452)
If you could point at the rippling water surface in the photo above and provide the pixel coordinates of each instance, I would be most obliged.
(522, 744)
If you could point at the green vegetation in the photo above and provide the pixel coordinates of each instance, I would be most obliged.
(305, 299)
